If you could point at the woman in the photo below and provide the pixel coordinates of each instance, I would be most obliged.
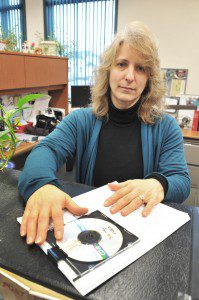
(123, 137)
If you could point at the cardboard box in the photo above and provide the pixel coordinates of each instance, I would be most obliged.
(14, 287)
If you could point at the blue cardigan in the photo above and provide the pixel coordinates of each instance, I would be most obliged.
(77, 134)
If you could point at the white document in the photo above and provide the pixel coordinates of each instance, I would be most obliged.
(39, 106)
(42, 103)
(151, 230)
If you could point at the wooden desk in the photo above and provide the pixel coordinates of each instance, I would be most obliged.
(21, 153)
(187, 133)
(24, 147)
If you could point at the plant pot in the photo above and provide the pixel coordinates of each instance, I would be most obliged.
(3, 46)
(49, 47)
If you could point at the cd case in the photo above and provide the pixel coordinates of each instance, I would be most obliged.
(89, 242)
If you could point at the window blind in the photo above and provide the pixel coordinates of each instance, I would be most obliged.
(12, 18)
(86, 27)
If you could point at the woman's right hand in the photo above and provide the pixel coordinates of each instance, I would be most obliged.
(48, 201)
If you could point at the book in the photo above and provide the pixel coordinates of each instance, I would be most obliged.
(98, 245)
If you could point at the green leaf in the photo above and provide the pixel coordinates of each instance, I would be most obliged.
(9, 114)
(2, 108)
(28, 98)
(4, 136)
(4, 132)
(1, 119)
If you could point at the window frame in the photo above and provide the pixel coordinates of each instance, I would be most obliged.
(22, 7)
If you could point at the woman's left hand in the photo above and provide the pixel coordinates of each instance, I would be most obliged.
(131, 194)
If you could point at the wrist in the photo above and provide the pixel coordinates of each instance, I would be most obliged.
(157, 183)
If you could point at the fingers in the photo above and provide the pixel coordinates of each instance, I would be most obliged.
(74, 208)
(149, 206)
(131, 194)
(58, 220)
(120, 204)
(117, 186)
(117, 195)
(131, 202)
(23, 226)
(57, 215)
(32, 225)
(35, 221)
(43, 225)
(133, 205)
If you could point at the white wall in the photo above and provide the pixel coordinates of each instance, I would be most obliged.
(34, 19)
(174, 22)
(176, 25)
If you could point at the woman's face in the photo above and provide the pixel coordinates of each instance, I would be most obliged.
(128, 77)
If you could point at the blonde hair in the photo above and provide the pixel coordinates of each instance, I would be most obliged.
(139, 37)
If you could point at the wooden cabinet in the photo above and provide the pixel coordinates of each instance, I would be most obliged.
(53, 71)
(11, 72)
(191, 148)
(29, 73)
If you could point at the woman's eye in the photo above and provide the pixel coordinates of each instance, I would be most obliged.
(140, 69)
(121, 64)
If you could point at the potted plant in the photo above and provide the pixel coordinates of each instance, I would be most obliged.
(3, 43)
(8, 41)
(52, 46)
(8, 139)
(68, 49)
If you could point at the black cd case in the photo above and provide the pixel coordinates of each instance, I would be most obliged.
(82, 268)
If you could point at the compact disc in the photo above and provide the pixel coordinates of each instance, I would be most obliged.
(90, 240)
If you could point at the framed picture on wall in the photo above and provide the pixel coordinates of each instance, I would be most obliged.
(175, 81)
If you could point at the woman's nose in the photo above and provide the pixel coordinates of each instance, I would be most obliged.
(130, 74)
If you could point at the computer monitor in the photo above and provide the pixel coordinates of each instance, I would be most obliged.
(80, 95)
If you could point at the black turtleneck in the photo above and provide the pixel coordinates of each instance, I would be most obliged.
(119, 154)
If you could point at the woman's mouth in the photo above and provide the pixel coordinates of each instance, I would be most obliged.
(128, 89)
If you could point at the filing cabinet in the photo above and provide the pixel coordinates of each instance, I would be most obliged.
(191, 148)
